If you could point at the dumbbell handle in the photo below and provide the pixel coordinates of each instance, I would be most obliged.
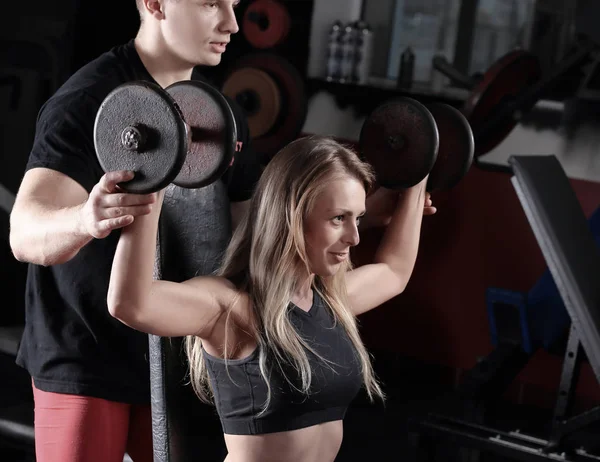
(134, 137)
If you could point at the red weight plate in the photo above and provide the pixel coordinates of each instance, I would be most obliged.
(457, 146)
(258, 93)
(507, 77)
(266, 23)
(212, 129)
(293, 100)
(138, 127)
(400, 140)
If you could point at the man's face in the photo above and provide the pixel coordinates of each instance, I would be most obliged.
(198, 31)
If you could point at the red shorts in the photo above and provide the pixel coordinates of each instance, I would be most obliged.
(72, 428)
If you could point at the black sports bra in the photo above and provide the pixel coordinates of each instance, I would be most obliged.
(240, 391)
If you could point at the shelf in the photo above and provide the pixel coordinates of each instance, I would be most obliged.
(364, 98)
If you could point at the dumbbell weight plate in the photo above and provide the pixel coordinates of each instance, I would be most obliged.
(213, 133)
(138, 128)
(455, 153)
(257, 93)
(400, 140)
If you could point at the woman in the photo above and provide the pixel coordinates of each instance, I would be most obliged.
(273, 337)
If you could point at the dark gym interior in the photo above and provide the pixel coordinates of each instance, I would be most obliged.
(493, 350)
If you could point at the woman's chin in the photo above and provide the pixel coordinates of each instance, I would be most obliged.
(330, 270)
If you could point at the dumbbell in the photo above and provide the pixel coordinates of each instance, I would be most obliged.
(184, 134)
(404, 141)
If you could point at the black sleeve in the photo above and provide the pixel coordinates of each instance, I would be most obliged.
(242, 176)
(64, 138)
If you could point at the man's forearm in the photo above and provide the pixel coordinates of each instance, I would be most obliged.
(46, 236)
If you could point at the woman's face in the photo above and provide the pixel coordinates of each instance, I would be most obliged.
(331, 227)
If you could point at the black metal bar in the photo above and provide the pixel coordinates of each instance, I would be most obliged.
(568, 384)
(569, 377)
(513, 445)
(491, 167)
(460, 79)
(582, 420)
(464, 38)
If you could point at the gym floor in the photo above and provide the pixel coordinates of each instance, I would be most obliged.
(372, 431)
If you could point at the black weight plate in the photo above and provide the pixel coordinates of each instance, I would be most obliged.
(456, 150)
(213, 133)
(400, 140)
(147, 108)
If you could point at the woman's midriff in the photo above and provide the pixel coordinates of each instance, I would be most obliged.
(319, 443)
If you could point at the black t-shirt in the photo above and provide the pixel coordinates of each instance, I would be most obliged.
(71, 344)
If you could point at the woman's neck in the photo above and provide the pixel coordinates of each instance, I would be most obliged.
(303, 295)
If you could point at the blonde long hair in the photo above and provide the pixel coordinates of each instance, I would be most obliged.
(267, 258)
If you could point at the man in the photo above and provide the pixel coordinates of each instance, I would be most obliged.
(89, 372)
